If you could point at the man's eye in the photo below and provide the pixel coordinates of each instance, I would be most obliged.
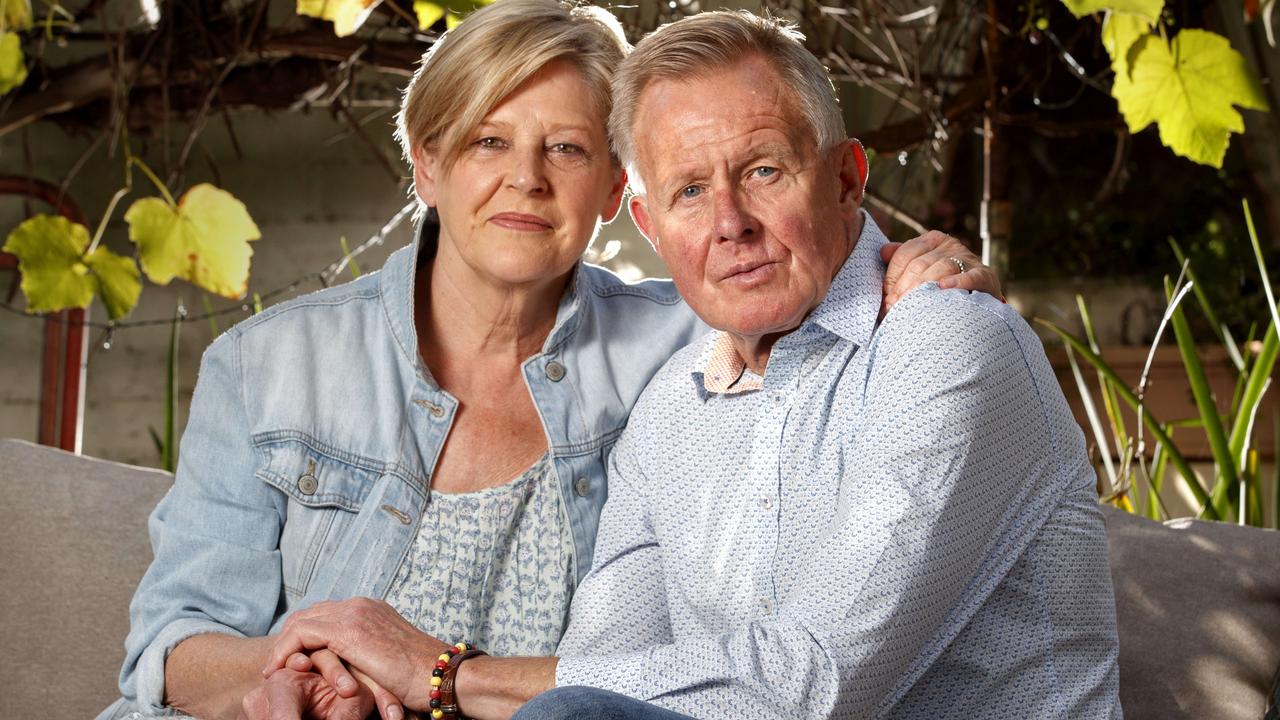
(766, 171)
(691, 191)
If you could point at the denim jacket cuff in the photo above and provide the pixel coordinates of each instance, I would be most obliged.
(149, 673)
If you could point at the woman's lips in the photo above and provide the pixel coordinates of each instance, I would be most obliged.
(521, 221)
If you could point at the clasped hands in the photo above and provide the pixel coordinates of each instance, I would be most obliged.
(338, 660)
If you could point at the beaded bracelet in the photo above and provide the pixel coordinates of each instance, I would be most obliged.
(443, 703)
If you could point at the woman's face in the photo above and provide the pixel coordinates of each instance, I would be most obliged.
(531, 184)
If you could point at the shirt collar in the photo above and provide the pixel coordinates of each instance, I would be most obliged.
(397, 288)
(850, 310)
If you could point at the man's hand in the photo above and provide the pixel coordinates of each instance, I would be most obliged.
(371, 637)
(928, 258)
(292, 695)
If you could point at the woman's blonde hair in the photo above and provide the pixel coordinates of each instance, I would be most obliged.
(474, 66)
(712, 41)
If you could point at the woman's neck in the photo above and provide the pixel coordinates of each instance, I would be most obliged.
(466, 321)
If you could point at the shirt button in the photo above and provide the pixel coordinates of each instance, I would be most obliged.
(779, 398)
(766, 503)
(308, 484)
(581, 486)
(555, 371)
(767, 605)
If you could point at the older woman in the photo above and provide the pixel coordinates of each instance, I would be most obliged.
(434, 434)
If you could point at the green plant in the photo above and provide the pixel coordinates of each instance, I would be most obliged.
(1236, 493)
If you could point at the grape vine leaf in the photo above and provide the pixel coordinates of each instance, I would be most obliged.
(1120, 34)
(347, 15)
(204, 239)
(429, 13)
(1188, 87)
(1149, 9)
(56, 274)
(13, 67)
(15, 14)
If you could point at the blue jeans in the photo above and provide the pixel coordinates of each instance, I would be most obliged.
(575, 701)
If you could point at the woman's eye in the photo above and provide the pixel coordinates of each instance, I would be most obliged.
(489, 143)
(691, 191)
(765, 172)
(566, 149)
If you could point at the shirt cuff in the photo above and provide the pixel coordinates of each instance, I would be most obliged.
(628, 674)
(149, 672)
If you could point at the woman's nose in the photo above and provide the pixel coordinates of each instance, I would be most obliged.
(529, 174)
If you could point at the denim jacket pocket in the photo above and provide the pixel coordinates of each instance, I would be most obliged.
(325, 492)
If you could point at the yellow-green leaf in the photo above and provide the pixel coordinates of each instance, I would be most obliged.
(428, 13)
(452, 20)
(54, 277)
(15, 14)
(118, 281)
(57, 276)
(1120, 32)
(347, 15)
(13, 67)
(1149, 9)
(204, 240)
(1188, 88)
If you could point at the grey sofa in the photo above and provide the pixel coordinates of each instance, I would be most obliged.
(1198, 602)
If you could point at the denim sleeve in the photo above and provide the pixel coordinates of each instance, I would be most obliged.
(215, 536)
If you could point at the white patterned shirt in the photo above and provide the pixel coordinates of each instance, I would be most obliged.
(492, 567)
(901, 523)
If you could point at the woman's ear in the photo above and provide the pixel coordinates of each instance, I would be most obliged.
(426, 168)
(616, 191)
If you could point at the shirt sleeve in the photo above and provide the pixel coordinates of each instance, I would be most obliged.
(946, 479)
(215, 537)
(626, 572)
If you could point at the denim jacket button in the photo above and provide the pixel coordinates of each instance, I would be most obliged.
(308, 484)
(555, 371)
(581, 486)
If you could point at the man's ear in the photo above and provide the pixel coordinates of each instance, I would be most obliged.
(426, 169)
(640, 216)
(852, 171)
(614, 202)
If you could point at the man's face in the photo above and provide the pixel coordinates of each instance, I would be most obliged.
(751, 218)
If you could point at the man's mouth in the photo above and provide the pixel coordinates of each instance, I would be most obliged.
(750, 273)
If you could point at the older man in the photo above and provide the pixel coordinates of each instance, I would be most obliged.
(811, 515)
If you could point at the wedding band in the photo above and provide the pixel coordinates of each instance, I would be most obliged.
(958, 263)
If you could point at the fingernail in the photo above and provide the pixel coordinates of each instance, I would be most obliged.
(394, 712)
(346, 684)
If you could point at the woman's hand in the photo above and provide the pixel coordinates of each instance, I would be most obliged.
(292, 695)
(929, 258)
(371, 637)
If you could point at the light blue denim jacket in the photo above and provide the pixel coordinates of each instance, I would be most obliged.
(313, 432)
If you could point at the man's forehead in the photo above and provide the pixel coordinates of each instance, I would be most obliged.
(745, 104)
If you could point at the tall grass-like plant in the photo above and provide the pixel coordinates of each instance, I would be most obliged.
(1236, 493)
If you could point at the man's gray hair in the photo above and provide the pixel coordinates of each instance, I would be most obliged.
(712, 41)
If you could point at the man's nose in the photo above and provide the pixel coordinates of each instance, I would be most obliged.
(529, 173)
(733, 219)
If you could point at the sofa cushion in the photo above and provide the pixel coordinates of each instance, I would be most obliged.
(74, 539)
(1198, 609)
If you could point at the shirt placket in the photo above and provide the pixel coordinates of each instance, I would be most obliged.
(777, 399)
